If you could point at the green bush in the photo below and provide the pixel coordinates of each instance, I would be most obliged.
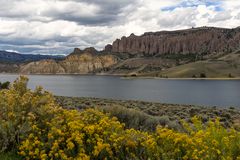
(4, 85)
(139, 120)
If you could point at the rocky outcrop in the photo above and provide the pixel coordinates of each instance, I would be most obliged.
(204, 40)
(79, 62)
(90, 50)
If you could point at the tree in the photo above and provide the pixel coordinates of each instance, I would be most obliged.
(230, 75)
(203, 75)
(4, 85)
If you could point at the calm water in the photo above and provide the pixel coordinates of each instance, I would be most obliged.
(198, 92)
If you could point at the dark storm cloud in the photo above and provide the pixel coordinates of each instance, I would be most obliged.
(100, 19)
(107, 12)
(83, 12)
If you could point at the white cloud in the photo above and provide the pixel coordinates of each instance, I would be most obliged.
(57, 26)
(12, 51)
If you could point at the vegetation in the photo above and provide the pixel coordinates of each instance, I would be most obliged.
(4, 85)
(203, 75)
(32, 123)
(190, 57)
(147, 116)
(215, 66)
(10, 156)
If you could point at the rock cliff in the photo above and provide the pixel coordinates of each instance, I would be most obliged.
(79, 62)
(204, 40)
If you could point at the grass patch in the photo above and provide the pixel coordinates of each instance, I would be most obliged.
(10, 156)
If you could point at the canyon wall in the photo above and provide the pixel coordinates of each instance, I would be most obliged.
(204, 40)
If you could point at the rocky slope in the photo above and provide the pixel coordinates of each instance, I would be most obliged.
(204, 40)
(9, 67)
(79, 62)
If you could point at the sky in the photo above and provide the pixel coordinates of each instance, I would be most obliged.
(58, 26)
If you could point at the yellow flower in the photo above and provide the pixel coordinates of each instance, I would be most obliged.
(43, 156)
(70, 145)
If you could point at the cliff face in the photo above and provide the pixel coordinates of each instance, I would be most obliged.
(78, 62)
(42, 67)
(203, 40)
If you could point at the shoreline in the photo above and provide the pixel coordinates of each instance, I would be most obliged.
(123, 76)
(181, 78)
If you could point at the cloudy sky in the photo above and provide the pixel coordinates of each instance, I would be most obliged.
(57, 26)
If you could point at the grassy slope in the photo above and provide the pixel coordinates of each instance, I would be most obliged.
(219, 68)
(141, 65)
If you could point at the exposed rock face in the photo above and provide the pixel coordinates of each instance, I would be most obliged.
(204, 40)
(78, 51)
(108, 48)
(9, 67)
(78, 62)
(42, 67)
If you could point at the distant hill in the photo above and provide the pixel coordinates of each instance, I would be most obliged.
(13, 57)
(191, 53)
(227, 66)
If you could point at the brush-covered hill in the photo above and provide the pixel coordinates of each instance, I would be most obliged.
(227, 66)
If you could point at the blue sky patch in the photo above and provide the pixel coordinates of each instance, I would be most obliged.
(194, 3)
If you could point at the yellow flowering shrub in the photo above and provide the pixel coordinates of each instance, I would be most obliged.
(33, 123)
(201, 142)
(20, 108)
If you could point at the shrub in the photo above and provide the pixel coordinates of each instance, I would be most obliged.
(4, 85)
(93, 135)
(230, 75)
(19, 109)
(203, 75)
(32, 123)
(132, 117)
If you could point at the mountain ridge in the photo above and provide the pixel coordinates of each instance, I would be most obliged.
(161, 54)
(14, 57)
